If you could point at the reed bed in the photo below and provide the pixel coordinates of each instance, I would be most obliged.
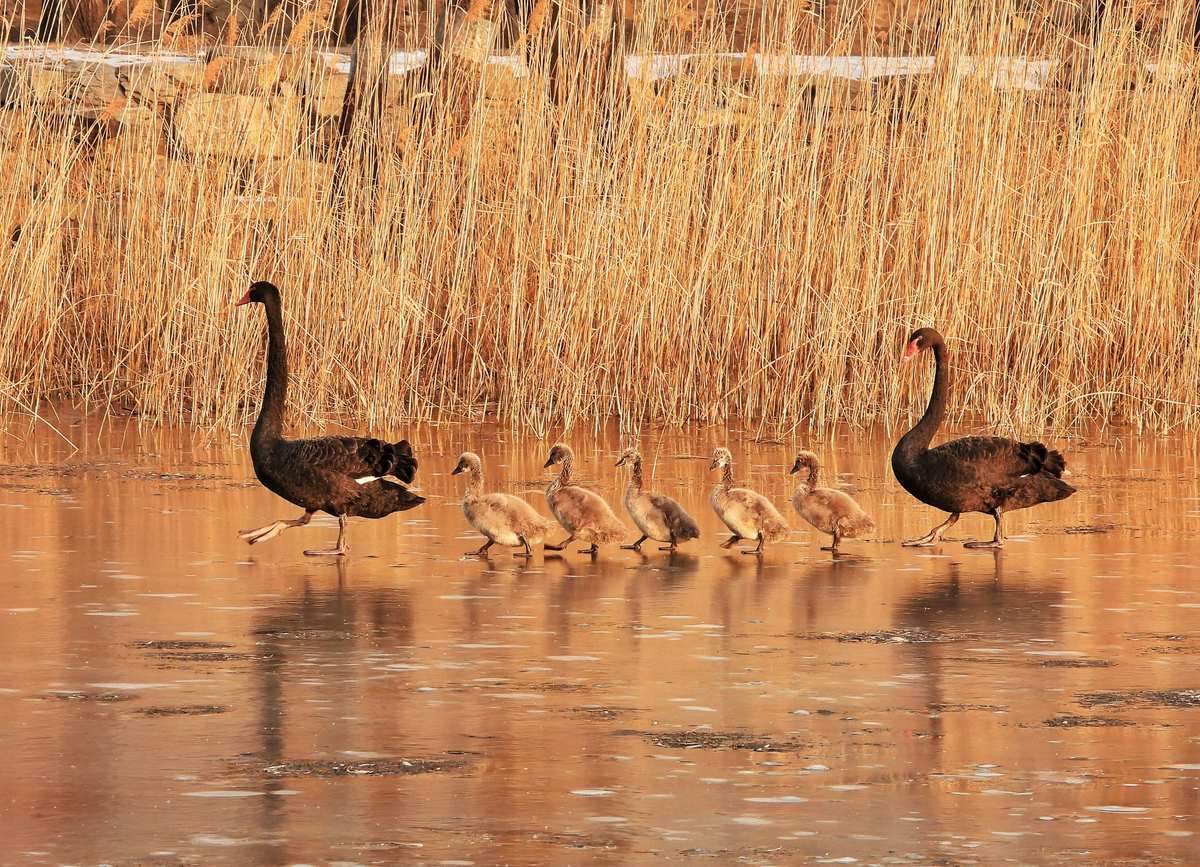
(721, 244)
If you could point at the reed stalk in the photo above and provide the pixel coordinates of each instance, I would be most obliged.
(718, 244)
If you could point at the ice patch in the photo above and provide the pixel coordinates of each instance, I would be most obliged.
(1116, 808)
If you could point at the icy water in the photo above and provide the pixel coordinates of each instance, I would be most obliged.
(171, 696)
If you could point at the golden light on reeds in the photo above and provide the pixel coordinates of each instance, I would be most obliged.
(141, 12)
(176, 29)
(272, 19)
(722, 243)
(537, 18)
(213, 69)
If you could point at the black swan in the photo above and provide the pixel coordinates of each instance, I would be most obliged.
(992, 475)
(337, 475)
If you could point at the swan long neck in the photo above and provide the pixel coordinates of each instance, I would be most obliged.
(813, 471)
(270, 417)
(474, 483)
(563, 479)
(727, 475)
(635, 478)
(922, 433)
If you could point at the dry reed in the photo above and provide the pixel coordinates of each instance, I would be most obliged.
(719, 244)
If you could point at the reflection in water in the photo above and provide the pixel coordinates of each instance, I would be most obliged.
(986, 601)
(408, 705)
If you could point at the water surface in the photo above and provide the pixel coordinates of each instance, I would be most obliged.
(172, 696)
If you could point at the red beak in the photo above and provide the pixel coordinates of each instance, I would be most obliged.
(912, 351)
(245, 300)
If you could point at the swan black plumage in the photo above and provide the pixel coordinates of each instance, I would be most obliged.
(342, 476)
(992, 475)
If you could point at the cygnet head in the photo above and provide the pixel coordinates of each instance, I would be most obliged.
(559, 452)
(467, 461)
(804, 460)
(629, 457)
(722, 458)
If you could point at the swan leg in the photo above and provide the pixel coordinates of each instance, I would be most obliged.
(934, 536)
(561, 545)
(481, 552)
(592, 550)
(997, 538)
(270, 531)
(527, 553)
(636, 546)
(341, 548)
(731, 541)
(671, 546)
(758, 550)
(833, 546)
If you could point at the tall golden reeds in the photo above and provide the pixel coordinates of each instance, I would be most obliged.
(717, 243)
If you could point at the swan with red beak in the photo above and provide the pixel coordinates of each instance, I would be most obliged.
(992, 475)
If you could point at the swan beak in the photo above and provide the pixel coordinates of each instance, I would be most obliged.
(714, 465)
(620, 463)
(456, 470)
(911, 351)
(795, 469)
(245, 300)
(549, 463)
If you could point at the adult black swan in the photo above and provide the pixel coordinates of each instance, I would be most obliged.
(338, 475)
(992, 475)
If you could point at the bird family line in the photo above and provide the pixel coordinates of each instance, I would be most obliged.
(347, 477)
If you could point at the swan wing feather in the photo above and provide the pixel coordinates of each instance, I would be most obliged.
(678, 521)
(761, 510)
(517, 515)
(1000, 457)
(353, 457)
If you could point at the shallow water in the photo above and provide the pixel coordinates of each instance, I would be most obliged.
(171, 695)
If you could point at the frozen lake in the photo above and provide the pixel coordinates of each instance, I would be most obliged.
(173, 696)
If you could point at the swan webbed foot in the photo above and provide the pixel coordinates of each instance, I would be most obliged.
(934, 536)
(528, 552)
(636, 546)
(592, 550)
(561, 546)
(340, 551)
(833, 545)
(270, 531)
(756, 551)
(731, 541)
(481, 551)
(997, 538)
(262, 534)
(671, 547)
